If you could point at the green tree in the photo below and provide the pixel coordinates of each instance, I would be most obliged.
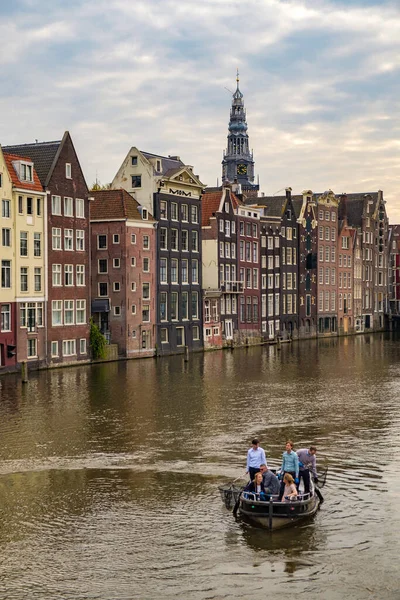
(97, 342)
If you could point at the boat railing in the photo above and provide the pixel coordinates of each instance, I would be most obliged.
(255, 497)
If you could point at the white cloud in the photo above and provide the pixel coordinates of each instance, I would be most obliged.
(319, 80)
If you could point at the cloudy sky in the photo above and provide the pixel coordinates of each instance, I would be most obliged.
(320, 80)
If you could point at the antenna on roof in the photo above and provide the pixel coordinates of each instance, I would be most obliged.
(281, 190)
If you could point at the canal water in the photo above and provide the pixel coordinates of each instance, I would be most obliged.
(109, 475)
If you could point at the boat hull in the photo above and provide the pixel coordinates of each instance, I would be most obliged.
(276, 515)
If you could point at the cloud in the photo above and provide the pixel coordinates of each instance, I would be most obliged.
(320, 79)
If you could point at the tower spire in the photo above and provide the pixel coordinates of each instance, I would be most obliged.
(238, 164)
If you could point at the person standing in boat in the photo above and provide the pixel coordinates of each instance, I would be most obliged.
(290, 464)
(289, 489)
(255, 458)
(307, 464)
(270, 481)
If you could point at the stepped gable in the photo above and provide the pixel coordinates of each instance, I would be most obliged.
(356, 204)
(34, 186)
(42, 154)
(115, 204)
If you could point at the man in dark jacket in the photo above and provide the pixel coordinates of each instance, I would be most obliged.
(270, 481)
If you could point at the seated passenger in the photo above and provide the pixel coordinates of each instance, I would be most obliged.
(256, 486)
(290, 491)
(270, 481)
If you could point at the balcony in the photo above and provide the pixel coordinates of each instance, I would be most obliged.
(232, 287)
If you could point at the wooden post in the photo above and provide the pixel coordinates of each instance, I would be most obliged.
(24, 371)
(186, 353)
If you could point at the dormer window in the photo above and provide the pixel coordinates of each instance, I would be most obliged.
(144, 214)
(158, 166)
(26, 171)
(68, 171)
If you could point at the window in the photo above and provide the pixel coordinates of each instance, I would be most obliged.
(164, 336)
(5, 324)
(103, 289)
(20, 205)
(56, 205)
(184, 240)
(69, 347)
(133, 238)
(24, 279)
(174, 305)
(82, 346)
(163, 306)
(136, 181)
(255, 279)
(174, 270)
(134, 161)
(56, 312)
(233, 250)
(32, 348)
(133, 261)
(68, 207)
(144, 217)
(195, 241)
(195, 305)
(163, 209)
(38, 279)
(185, 306)
(133, 309)
(163, 270)
(68, 170)
(163, 238)
(327, 232)
(5, 209)
(102, 265)
(80, 239)
(146, 242)
(68, 275)
(289, 232)
(116, 286)
(174, 211)
(146, 291)
(327, 215)
(146, 313)
(29, 206)
(333, 216)
(333, 233)
(184, 270)
(221, 226)
(80, 275)
(195, 271)
(146, 265)
(68, 312)
(54, 349)
(25, 172)
(195, 214)
(184, 212)
(56, 275)
(174, 239)
(227, 228)
(102, 242)
(80, 208)
(116, 263)
(345, 243)
(180, 336)
(68, 239)
(80, 312)
(196, 333)
(56, 238)
(37, 244)
(116, 238)
(23, 243)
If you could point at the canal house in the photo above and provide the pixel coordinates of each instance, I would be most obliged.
(171, 192)
(67, 242)
(123, 269)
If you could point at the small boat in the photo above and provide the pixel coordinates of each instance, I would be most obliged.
(270, 513)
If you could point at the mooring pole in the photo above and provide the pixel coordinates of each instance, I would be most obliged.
(270, 511)
(24, 371)
(186, 353)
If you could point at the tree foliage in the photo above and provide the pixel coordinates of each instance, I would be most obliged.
(97, 185)
(97, 342)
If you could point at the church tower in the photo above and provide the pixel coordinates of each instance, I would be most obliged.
(238, 163)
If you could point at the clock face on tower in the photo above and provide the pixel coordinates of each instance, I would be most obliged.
(242, 169)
